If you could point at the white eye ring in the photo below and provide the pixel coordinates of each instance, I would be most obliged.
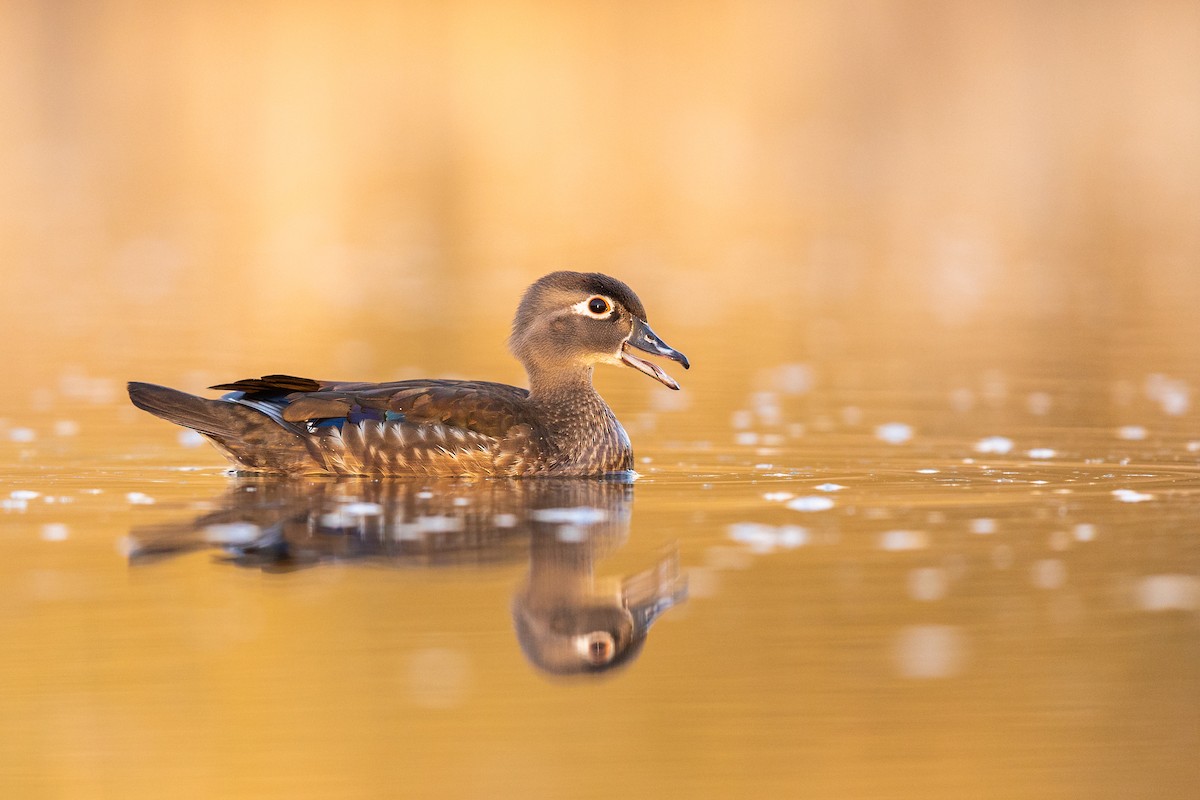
(585, 307)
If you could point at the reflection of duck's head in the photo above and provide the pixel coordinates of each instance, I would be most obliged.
(571, 633)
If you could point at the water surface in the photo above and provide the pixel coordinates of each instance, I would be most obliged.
(948, 575)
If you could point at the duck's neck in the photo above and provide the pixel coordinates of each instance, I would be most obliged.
(578, 421)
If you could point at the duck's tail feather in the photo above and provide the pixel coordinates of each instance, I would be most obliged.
(247, 435)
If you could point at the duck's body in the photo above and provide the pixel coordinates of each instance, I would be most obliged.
(567, 322)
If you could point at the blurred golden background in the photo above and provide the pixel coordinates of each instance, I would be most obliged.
(337, 187)
(196, 191)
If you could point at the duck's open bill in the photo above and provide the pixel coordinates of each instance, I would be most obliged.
(647, 341)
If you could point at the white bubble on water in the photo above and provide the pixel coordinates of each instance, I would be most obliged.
(929, 651)
(1042, 452)
(901, 540)
(999, 445)
(360, 509)
(794, 378)
(1132, 433)
(1084, 532)
(810, 503)
(1048, 573)
(1168, 592)
(22, 435)
(66, 427)
(54, 532)
(1131, 496)
(894, 432)
(983, 526)
(829, 487)
(139, 498)
(578, 515)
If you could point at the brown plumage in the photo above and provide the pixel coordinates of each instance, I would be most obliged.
(566, 323)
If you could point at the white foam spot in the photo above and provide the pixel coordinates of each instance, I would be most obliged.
(795, 378)
(792, 536)
(900, 540)
(139, 499)
(22, 435)
(998, 445)
(362, 509)
(1085, 532)
(929, 651)
(894, 432)
(505, 520)
(66, 427)
(829, 487)
(1131, 496)
(54, 532)
(581, 515)
(425, 495)
(1048, 573)
(928, 471)
(746, 438)
(1132, 433)
(1170, 592)
(983, 526)
(762, 538)
(24, 494)
(810, 503)
(1042, 452)
(757, 536)
(777, 497)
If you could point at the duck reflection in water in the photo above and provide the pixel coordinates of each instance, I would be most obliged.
(567, 620)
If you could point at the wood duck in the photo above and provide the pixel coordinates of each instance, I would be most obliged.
(566, 323)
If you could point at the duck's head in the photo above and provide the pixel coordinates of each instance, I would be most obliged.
(572, 320)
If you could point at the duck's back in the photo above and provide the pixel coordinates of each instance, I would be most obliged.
(281, 423)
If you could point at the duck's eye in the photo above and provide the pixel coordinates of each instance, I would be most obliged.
(598, 305)
(597, 647)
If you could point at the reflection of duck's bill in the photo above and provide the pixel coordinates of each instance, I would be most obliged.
(647, 341)
(649, 594)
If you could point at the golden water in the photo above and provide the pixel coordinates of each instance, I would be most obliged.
(921, 578)
(932, 484)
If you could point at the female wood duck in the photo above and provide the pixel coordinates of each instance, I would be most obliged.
(567, 322)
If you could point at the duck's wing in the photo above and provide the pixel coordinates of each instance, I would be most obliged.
(490, 409)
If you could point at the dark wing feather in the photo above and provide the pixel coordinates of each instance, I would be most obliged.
(271, 384)
(483, 407)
